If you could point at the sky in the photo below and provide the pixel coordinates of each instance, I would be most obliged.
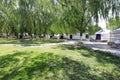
(102, 23)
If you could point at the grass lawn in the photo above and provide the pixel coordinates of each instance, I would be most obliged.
(38, 41)
(57, 63)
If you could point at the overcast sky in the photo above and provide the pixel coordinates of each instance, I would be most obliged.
(102, 23)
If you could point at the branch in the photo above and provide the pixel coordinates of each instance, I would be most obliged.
(89, 20)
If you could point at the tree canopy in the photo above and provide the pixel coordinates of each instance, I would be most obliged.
(113, 23)
(53, 16)
(93, 29)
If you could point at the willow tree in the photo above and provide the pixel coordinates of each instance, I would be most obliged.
(60, 26)
(48, 15)
(37, 16)
(93, 29)
(26, 12)
(81, 13)
(7, 13)
(27, 16)
(113, 23)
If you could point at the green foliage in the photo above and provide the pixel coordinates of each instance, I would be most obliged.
(113, 23)
(80, 14)
(93, 29)
(30, 16)
(52, 16)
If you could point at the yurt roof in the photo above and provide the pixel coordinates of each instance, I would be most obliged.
(103, 31)
(117, 30)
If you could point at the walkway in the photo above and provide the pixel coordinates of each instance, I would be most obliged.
(102, 46)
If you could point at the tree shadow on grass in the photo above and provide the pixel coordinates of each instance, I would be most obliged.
(48, 66)
(10, 59)
(10, 62)
(104, 57)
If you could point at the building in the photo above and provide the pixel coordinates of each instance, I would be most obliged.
(115, 38)
(103, 35)
(76, 36)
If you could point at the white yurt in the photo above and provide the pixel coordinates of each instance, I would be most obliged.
(115, 38)
(103, 35)
(77, 36)
(115, 35)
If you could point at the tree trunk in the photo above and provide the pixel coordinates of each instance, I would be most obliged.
(81, 37)
(31, 37)
(16, 35)
(44, 36)
(7, 35)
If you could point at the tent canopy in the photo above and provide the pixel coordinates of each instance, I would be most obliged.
(103, 31)
(117, 30)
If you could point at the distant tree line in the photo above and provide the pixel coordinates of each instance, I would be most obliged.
(42, 17)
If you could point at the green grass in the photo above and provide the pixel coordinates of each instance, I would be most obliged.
(57, 63)
(37, 41)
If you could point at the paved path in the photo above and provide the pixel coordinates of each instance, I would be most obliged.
(102, 46)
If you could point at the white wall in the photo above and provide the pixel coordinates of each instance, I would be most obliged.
(105, 36)
(77, 36)
(93, 37)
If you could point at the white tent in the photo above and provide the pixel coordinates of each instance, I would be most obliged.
(117, 30)
(115, 35)
(72, 36)
(103, 35)
(115, 38)
(77, 36)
